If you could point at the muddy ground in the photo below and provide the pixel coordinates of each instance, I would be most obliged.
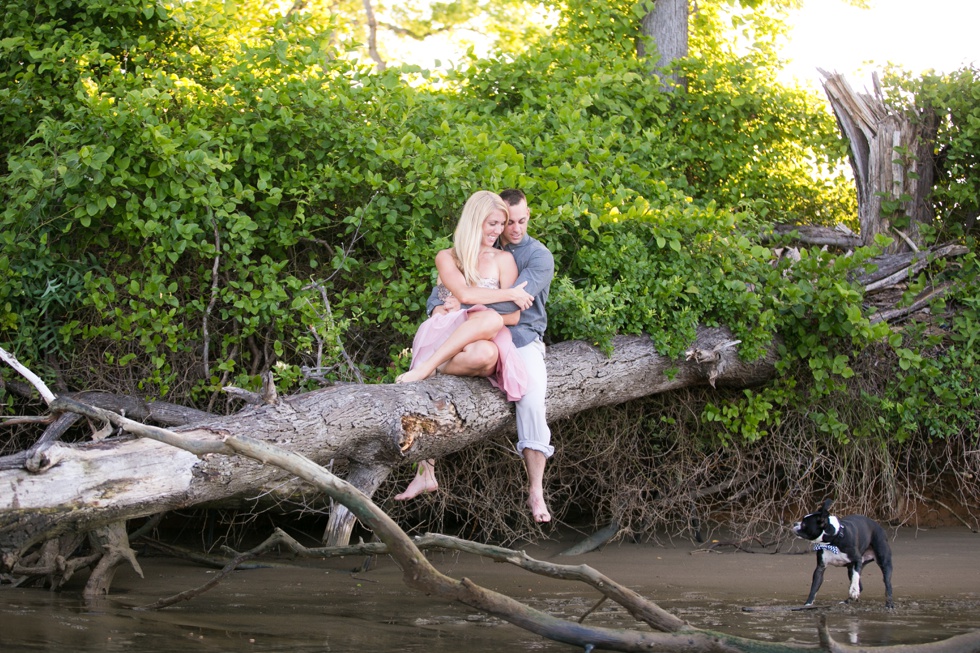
(322, 605)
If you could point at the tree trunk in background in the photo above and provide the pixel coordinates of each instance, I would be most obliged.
(666, 25)
(892, 159)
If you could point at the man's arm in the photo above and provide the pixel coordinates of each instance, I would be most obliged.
(433, 301)
(539, 271)
(537, 274)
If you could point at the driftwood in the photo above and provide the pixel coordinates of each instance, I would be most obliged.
(673, 634)
(76, 488)
(594, 541)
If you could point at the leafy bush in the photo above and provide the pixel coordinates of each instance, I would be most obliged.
(197, 196)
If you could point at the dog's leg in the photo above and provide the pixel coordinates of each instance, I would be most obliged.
(883, 556)
(886, 572)
(854, 575)
(817, 582)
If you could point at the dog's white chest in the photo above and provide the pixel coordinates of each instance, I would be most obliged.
(838, 559)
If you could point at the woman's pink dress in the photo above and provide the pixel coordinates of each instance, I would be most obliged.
(510, 375)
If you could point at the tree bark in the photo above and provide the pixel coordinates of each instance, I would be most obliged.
(665, 25)
(79, 487)
(892, 160)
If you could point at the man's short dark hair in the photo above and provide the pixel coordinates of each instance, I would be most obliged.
(513, 196)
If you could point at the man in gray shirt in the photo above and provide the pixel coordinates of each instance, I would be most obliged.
(536, 268)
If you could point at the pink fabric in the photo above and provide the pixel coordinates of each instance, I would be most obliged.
(510, 375)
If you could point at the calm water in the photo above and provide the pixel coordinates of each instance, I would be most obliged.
(322, 605)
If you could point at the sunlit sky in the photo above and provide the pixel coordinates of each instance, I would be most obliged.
(943, 35)
(916, 34)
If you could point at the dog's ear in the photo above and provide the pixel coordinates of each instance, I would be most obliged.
(825, 507)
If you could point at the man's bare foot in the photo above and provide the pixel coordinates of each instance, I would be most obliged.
(424, 481)
(539, 509)
(412, 376)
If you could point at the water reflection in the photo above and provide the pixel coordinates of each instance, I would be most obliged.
(322, 606)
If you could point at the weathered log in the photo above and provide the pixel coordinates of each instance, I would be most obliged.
(82, 486)
(673, 634)
(156, 411)
(896, 268)
(815, 235)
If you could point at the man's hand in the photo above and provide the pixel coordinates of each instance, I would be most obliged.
(451, 304)
(521, 297)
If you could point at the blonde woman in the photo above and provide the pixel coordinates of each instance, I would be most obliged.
(471, 341)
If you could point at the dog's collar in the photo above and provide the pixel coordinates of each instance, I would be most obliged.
(833, 530)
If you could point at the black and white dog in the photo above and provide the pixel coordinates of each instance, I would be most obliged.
(846, 542)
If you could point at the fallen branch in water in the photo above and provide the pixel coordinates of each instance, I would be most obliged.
(419, 574)
(226, 570)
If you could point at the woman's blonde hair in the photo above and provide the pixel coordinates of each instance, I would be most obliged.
(469, 232)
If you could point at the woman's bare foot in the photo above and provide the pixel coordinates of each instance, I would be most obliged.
(424, 481)
(539, 509)
(412, 376)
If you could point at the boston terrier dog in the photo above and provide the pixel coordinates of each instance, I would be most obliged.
(846, 542)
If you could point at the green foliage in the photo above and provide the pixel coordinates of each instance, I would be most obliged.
(47, 48)
(195, 193)
(823, 329)
(934, 390)
(665, 272)
(954, 99)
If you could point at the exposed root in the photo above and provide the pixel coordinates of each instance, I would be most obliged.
(647, 466)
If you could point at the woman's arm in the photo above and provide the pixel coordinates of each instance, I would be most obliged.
(453, 279)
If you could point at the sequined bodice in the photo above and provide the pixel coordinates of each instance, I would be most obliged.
(443, 293)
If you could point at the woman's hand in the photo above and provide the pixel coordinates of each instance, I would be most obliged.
(521, 297)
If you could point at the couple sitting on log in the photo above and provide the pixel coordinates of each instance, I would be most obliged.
(487, 318)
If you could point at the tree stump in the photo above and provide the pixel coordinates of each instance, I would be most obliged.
(892, 159)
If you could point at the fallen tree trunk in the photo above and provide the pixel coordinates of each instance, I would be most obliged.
(79, 487)
(671, 633)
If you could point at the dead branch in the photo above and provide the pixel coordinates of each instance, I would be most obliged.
(922, 301)
(819, 236)
(113, 544)
(419, 574)
(594, 541)
(34, 379)
(901, 267)
(232, 565)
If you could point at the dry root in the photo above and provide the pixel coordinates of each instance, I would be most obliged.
(648, 467)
